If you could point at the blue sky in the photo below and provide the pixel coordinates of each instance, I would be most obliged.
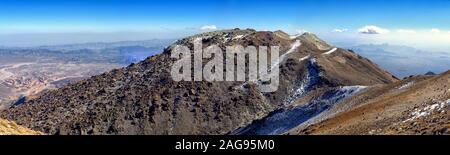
(334, 20)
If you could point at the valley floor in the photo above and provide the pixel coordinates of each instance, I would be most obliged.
(31, 78)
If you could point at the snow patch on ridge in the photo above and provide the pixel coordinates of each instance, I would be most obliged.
(329, 52)
(304, 58)
(311, 79)
(428, 110)
(277, 62)
(409, 84)
(284, 119)
(294, 46)
(238, 37)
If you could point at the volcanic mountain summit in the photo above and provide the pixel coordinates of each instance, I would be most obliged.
(315, 78)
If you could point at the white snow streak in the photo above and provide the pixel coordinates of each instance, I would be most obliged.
(406, 85)
(238, 37)
(418, 113)
(329, 52)
(304, 58)
(306, 83)
(294, 46)
(284, 119)
(277, 62)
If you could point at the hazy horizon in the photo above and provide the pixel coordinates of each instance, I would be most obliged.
(417, 23)
(30, 40)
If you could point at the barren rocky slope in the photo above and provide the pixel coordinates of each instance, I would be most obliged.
(416, 105)
(143, 99)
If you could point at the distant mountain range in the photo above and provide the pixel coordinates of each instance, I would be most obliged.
(322, 90)
(124, 53)
(153, 43)
(403, 61)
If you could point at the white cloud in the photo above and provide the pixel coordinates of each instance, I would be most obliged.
(209, 27)
(435, 30)
(371, 29)
(406, 31)
(301, 31)
(340, 30)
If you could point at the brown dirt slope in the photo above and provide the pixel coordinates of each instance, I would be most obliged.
(11, 128)
(417, 105)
